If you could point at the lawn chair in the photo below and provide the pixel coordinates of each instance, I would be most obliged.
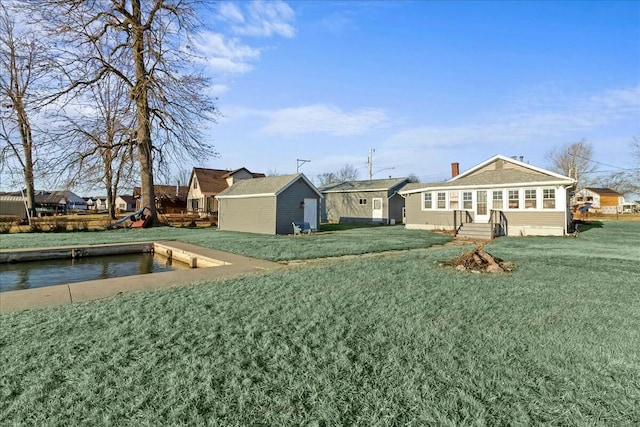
(297, 230)
(302, 228)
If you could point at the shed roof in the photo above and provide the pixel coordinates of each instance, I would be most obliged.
(603, 191)
(267, 186)
(368, 185)
(165, 191)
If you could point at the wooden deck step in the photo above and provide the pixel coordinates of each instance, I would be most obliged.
(475, 231)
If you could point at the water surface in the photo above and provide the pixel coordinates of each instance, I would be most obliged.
(37, 274)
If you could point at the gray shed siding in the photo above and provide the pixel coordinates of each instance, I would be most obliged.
(250, 214)
(345, 207)
(288, 206)
(13, 208)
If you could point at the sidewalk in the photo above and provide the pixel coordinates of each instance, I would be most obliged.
(234, 265)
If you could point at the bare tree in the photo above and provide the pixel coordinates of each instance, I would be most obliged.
(625, 181)
(22, 67)
(347, 172)
(147, 45)
(96, 147)
(413, 177)
(574, 160)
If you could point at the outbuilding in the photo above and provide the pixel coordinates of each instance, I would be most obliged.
(268, 205)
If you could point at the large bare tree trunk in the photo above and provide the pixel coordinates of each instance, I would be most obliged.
(140, 96)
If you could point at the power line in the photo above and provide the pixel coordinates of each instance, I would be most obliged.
(604, 164)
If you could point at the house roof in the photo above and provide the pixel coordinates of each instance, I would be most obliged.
(127, 198)
(603, 191)
(165, 191)
(268, 186)
(213, 181)
(475, 177)
(368, 185)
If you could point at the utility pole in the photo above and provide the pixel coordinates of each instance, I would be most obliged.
(370, 162)
(300, 162)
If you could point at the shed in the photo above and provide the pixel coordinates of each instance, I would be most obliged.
(268, 205)
(375, 200)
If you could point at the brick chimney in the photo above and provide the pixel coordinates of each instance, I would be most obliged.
(455, 169)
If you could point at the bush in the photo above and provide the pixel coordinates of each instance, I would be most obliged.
(57, 225)
(5, 226)
(80, 225)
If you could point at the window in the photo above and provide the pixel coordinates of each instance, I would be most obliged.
(195, 205)
(498, 203)
(195, 183)
(442, 200)
(467, 200)
(362, 201)
(426, 201)
(453, 199)
(514, 199)
(549, 198)
(122, 206)
(530, 199)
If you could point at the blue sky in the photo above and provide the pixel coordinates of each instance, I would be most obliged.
(423, 83)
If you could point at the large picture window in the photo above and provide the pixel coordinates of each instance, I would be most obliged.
(514, 199)
(498, 203)
(549, 198)
(427, 202)
(530, 201)
(467, 200)
(442, 200)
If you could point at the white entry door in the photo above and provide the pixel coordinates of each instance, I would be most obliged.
(376, 214)
(311, 212)
(482, 206)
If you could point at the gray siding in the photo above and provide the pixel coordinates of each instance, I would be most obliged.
(416, 216)
(345, 207)
(13, 208)
(289, 209)
(535, 219)
(251, 214)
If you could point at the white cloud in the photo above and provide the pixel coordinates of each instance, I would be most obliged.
(316, 119)
(261, 19)
(532, 121)
(230, 12)
(226, 55)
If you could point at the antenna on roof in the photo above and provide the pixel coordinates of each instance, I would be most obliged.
(300, 162)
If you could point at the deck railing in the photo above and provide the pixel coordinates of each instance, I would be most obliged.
(499, 223)
(460, 217)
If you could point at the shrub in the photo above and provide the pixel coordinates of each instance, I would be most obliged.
(57, 225)
(5, 226)
(80, 225)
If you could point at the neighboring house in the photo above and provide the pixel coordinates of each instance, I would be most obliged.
(50, 202)
(169, 198)
(97, 203)
(205, 184)
(602, 200)
(374, 201)
(13, 206)
(268, 205)
(514, 197)
(125, 203)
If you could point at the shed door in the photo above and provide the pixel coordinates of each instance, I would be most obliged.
(376, 214)
(311, 212)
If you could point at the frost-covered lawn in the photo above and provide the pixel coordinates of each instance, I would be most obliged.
(391, 340)
(270, 247)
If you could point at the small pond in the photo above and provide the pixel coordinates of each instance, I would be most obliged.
(37, 274)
